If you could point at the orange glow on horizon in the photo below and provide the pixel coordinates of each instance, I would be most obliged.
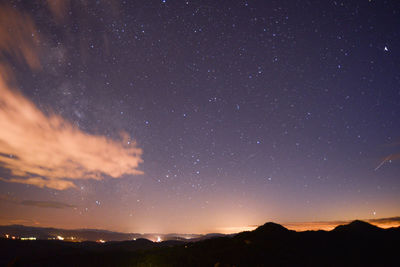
(330, 225)
(314, 226)
(235, 229)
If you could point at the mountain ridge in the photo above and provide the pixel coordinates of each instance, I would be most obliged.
(88, 234)
(355, 244)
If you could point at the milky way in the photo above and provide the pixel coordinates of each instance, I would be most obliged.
(213, 115)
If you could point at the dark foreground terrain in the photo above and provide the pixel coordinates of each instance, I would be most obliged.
(355, 244)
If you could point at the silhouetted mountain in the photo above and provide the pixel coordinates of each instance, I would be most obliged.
(355, 244)
(357, 226)
(208, 236)
(268, 231)
(270, 228)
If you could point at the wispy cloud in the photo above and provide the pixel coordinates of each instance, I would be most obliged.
(386, 222)
(58, 8)
(46, 204)
(47, 150)
(18, 37)
(36, 203)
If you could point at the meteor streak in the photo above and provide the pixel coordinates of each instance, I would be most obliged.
(383, 162)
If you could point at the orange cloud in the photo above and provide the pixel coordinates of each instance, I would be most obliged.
(35, 203)
(46, 150)
(18, 36)
(58, 8)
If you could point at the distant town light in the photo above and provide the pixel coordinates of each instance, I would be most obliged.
(60, 237)
(159, 239)
(101, 241)
(28, 238)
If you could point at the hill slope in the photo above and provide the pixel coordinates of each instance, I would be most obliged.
(355, 244)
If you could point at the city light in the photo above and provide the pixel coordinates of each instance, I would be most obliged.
(28, 238)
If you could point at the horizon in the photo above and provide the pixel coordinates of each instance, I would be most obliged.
(383, 223)
(200, 116)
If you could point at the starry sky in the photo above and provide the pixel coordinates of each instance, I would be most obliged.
(198, 116)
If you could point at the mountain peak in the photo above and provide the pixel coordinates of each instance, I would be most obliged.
(357, 226)
(271, 227)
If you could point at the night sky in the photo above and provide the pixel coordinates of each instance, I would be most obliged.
(196, 116)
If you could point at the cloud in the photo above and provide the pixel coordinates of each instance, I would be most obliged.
(386, 222)
(35, 203)
(46, 204)
(8, 198)
(48, 151)
(45, 150)
(58, 8)
(18, 36)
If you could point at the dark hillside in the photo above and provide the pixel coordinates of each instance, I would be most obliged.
(355, 244)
